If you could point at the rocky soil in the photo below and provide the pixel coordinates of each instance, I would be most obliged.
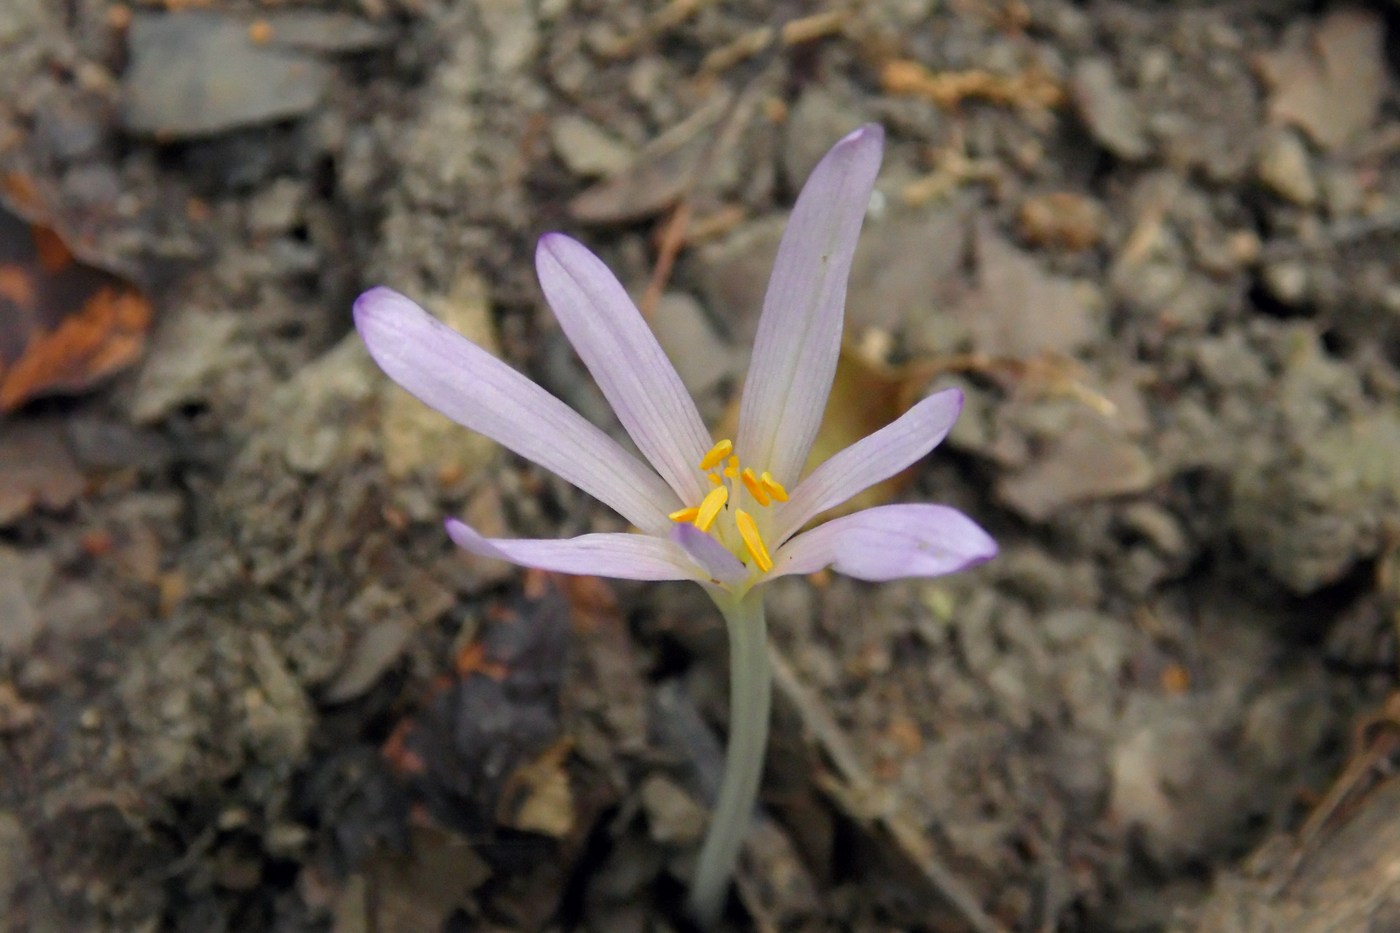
(246, 682)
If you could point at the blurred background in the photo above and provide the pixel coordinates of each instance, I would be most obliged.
(246, 683)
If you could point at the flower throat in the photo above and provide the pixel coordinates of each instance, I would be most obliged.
(722, 468)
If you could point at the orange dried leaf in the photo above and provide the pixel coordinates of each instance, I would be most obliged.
(64, 325)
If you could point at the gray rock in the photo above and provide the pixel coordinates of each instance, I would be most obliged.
(198, 74)
(1109, 110)
(19, 616)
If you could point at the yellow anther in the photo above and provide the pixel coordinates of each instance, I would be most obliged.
(731, 469)
(775, 488)
(754, 487)
(684, 515)
(717, 453)
(714, 479)
(709, 508)
(752, 540)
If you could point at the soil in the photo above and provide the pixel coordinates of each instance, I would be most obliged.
(247, 683)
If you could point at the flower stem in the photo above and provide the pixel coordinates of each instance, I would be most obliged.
(750, 695)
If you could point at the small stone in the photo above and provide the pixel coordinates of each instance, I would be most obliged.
(198, 74)
(587, 149)
(1284, 168)
(371, 655)
(674, 817)
(276, 208)
(36, 468)
(1287, 281)
(19, 616)
(1108, 110)
(182, 362)
(512, 31)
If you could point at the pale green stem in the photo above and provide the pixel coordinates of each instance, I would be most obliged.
(750, 695)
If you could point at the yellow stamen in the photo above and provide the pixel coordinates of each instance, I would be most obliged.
(709, 508)
(714, 479)
(775, 488)
(731, 469)
(755, 489)
(717, 453)
(684, 515)
(749, 532)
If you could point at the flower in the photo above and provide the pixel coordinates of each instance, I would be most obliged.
(727, 514)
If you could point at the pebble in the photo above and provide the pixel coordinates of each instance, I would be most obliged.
(180, 368)
(1287, 281)
(1109, 110)
(674, 817)
(587, 149)
(275, 209)
(198, 74)
(1283, 167)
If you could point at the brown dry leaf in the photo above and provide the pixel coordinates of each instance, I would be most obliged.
(1020, 310)
(64, 325)
(665, 170)
(949, 89)
(1331, 86)
(1093, 459)
(538, 798)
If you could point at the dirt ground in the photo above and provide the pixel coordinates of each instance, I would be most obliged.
(246, 683)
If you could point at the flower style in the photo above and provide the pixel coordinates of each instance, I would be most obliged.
(717, 513)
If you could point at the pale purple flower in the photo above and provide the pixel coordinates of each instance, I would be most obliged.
(703, 511)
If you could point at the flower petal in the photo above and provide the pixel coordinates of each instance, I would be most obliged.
(889, 542)
(870, 460)
(799, 334)
(713, 557)
(450, 373)
(623, 556)
(628, 364)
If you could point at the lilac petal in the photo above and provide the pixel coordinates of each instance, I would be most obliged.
(450, 373)
(889, 542)
(799, 335)
(628, 364)
(870, 460)
(713, 557)
(623, 556)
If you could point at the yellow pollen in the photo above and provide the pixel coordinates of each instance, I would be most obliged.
(775, 488)
(714, 479)
(709, 508)
(684, 515)
(717, 453)
(749, 532)
(755, 488)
